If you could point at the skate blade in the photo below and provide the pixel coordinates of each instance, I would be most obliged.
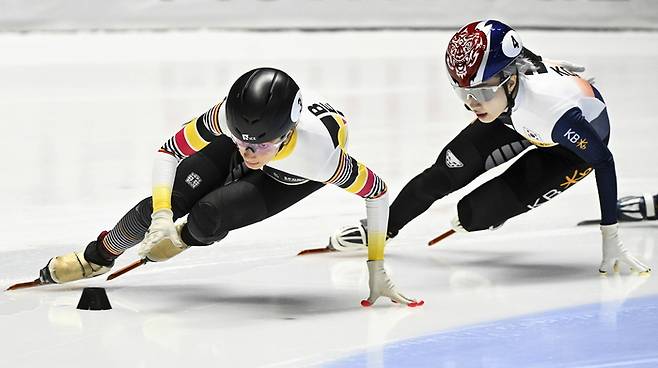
(316, 251)
(25, 285)
(128, 268)
(440, 237)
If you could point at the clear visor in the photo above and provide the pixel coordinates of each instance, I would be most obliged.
(480, 94)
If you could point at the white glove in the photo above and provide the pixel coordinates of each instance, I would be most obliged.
(614, 252)
(162, 227)
(381, 285)
(162, 250)
(571, 67)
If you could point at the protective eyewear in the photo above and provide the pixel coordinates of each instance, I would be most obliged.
(265, 147)
(480, 94)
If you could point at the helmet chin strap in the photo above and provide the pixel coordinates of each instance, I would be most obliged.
(510, 96)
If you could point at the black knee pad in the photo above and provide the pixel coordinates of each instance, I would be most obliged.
(204, 224)
(489, 206)
(224, 209)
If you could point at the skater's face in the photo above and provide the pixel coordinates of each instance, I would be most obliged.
(257, 155)
(488, 100)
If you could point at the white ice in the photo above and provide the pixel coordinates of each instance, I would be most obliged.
(83, 113)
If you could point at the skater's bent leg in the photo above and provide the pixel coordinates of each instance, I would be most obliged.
(196, 176)
(251, 199)
(534, 179)
(476, 149)
(129, 231)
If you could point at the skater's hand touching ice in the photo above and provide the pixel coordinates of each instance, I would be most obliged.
(381, 285)
(615, 254)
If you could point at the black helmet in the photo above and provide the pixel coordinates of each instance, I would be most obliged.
(263, 105)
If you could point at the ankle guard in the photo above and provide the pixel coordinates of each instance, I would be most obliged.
(98, 254)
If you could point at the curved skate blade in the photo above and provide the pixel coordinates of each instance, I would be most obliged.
(441, 237)
(316, 251)
(25, 285)
(129, 267)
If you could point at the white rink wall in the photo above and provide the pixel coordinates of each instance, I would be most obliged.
(67, 15)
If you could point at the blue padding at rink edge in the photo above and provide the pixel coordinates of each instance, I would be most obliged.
(594, 335)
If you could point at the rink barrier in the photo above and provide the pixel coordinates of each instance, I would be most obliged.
(322, 15)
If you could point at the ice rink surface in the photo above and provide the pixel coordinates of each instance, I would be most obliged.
(83, 113)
